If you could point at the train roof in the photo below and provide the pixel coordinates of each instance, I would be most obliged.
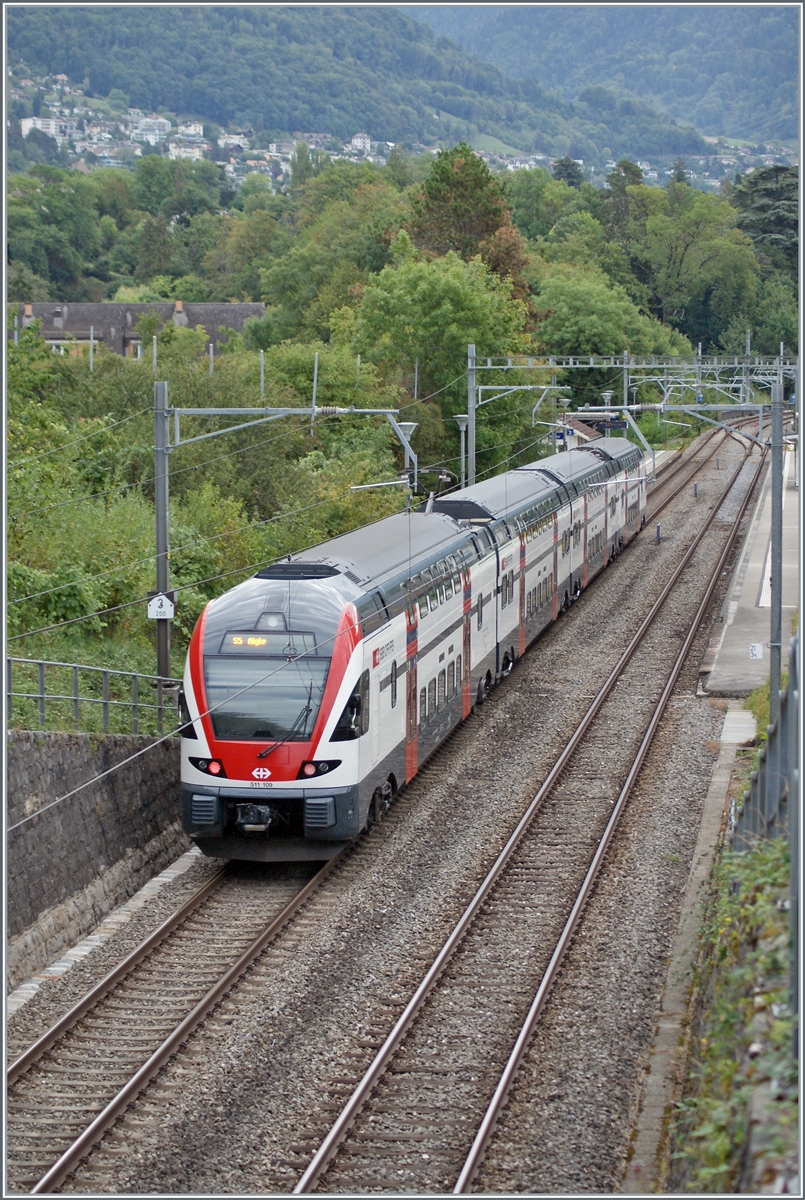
(395, 546)
(378, 550)
(553, 478)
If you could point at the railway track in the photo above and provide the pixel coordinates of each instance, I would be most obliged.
(682, 471)
(430, 1099)
(73, 1083)
(30, 1164)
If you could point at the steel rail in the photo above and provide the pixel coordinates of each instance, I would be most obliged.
(142, 1077)
(82, 1007)
(497, 1103)
(674, 469)
(684, 463)
(333, 1139)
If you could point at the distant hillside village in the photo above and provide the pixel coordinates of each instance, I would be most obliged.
(71, 126)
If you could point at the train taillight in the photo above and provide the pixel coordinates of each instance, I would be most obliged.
(309, 770)
(209, 766)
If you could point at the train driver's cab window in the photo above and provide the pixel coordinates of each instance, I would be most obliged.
(394, 684)
(480, 612)
(354, 720)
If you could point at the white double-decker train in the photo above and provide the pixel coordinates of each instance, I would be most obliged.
(315, 690)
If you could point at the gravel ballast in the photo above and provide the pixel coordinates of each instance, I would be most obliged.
(230, 1114)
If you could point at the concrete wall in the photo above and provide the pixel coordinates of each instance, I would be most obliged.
(70, 866)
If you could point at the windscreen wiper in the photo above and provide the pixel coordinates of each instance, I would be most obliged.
(300, 722)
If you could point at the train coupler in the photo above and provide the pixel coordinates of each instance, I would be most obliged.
(256, 818)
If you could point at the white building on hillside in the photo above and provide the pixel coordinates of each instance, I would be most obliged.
(150, 129)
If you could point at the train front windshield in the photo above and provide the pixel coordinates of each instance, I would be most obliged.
(272, 699)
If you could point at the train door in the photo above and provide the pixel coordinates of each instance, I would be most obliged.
(555, 589)
(521, 627)
(585, 518)
(606, 525)
(374, 724)
(497, 598)
(466, 649)
(411, 718)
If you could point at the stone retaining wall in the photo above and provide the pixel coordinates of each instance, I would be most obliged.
(71, 865)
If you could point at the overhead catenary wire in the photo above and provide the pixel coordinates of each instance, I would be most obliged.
(102, 612)
(196, 540)
(211, 538)
(138, 562)
(283, 436)
(166, 737)
(85, 437)
(173, 733)
(197, 466)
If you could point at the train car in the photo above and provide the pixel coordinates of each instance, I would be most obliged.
(317, 689)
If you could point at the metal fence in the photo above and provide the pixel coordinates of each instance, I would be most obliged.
(62, 696)
(770, 807)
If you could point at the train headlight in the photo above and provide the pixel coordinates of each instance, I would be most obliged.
(209, 766)
(309, 770)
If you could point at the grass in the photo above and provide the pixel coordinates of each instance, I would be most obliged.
(493, 145)
(744, 1029)
(127, 654)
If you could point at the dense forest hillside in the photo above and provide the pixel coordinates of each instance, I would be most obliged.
(727, 69)
(335, 70)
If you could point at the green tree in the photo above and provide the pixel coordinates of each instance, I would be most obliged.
(679, 172)
(345, 222)
(580, 312)
(767, 203)
(578, 238)
(568, 171)
(699, 266)
(617, 201)
(537, 201)
(244, 247)
(459, 205)
(23, 285)
(153, 183)
(399, 168)
(154, 250)
(301, 165)
(431, 311)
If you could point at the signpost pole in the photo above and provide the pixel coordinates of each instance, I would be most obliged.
(161, 506)
(775, 641)
(471, 414)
